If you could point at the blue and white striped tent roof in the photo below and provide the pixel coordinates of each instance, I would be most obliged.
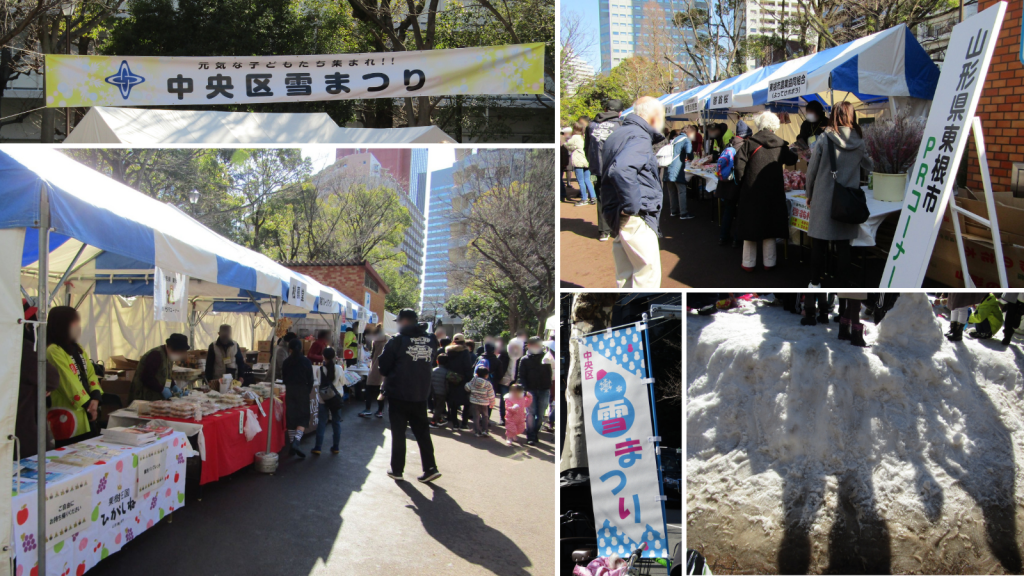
(126, 234)
(886, 64)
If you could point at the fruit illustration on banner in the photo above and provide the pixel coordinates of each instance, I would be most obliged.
(104, 553)
(119, 466)
(80, 570)
(58, 546)
(135, 460)
(20, 570)
(83, 544)
(181, 498)
(96, 513)
(117, 539)
(22, 516)
(176, 476)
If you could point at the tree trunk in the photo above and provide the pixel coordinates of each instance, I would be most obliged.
(590, 313)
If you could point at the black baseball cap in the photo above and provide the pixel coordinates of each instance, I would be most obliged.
(613, 105)
(408, 314)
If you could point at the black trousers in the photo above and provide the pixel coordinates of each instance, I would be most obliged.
(819, 260)
(403, 414)
(602, 224)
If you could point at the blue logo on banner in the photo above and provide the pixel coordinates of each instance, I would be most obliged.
(613, 415)
(125, 80)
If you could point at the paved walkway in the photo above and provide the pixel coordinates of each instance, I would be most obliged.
(493, 512)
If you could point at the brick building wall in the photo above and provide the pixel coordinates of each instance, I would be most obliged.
(1001, 107)
(349, 279)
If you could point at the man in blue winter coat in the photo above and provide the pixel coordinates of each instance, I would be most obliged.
(631, 195)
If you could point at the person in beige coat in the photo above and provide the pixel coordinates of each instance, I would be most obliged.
(374, 380)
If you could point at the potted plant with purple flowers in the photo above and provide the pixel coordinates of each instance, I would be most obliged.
(892, 144)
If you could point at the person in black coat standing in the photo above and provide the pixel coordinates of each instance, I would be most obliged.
(761, 209)
(461, 361)
(297, 374)
(535, 376)
(597, 133)
(406, 365)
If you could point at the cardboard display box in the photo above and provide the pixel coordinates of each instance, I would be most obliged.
(945, 262)
(263, 346)
(263, 358)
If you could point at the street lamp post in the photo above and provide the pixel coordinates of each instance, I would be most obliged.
(193, 198)
(68, 9)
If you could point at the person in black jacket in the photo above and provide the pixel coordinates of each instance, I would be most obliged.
(297, 374)
(631, 195)
(406, 364)
(460, 371)
(224, 356)
(535, 376)
(598, 131)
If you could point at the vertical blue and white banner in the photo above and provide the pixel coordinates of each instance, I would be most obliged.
(624, 480)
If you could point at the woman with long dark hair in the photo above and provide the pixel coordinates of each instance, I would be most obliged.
(297, 374)
(331, 402)
(843, 140)
(74, 405)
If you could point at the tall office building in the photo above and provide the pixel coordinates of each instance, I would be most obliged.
(576, 72)
(408, 166)
(770, 18)
(435, 274)
(636, 27)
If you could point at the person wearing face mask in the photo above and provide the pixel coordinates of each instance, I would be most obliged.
(535, 375)
(814, 124)
(79, 392)
(155, 369)
(225, 357)
(631, 195)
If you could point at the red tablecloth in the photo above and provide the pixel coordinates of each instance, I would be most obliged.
(226, 450)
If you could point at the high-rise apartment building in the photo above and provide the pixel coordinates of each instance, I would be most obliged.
(636, 27)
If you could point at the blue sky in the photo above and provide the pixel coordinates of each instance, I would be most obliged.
(588, 10)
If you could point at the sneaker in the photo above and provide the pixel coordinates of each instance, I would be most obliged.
(502, 424)
(673, 214)
(686, 216)
(429, 476)
(604, 237)
(592, 202)
(296, 452)
(365, 414)
(379, 414)
(315, 451)
(394, 476)
(435, 426)
(531, 442)
(335, 451)
(581, 203)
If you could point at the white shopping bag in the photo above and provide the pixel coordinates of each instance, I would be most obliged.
(252, 425)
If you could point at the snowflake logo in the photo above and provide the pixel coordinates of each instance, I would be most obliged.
(604, 386)
(618, 389)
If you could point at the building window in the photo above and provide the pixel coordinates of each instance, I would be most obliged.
(370, 283)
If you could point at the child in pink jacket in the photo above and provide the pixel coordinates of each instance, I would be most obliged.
(516, 403)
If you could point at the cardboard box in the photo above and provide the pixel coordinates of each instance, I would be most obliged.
(263, 358)
(1009, 217)
(945, 262)
(197, 354)
(122, 363)
(119, 388)
(263, 346)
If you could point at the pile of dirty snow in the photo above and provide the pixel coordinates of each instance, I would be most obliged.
(808, 454)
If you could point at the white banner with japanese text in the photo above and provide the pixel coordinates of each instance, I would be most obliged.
(719, 100)
(788, 87)
(80, 81)
(624, 480)
(170, 296)
(932, 176)
(298, 295)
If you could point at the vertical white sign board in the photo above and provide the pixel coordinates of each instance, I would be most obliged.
(932, 176)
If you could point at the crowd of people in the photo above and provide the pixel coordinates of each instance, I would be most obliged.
(425, 380)
(628, 166)
(988, 312)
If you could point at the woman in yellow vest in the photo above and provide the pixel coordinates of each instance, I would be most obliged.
(74, 405)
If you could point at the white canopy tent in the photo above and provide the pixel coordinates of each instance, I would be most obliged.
(107, 239)
(140, 126)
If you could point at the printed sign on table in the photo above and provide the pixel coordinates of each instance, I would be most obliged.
(114, 512)
(205, 80)
(720, 100)
(170, 296)
(788, 87)
(152, 462)
(67, 507)
(625, 485)
(799, 215)
(932, 176)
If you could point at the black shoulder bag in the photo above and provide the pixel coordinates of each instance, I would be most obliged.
(848, 204)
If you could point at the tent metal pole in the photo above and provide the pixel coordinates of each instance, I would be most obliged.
(43, 305)
(84, 296)
(273, 375)
(67, 273)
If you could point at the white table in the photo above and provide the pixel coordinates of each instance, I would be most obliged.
(799, 215)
